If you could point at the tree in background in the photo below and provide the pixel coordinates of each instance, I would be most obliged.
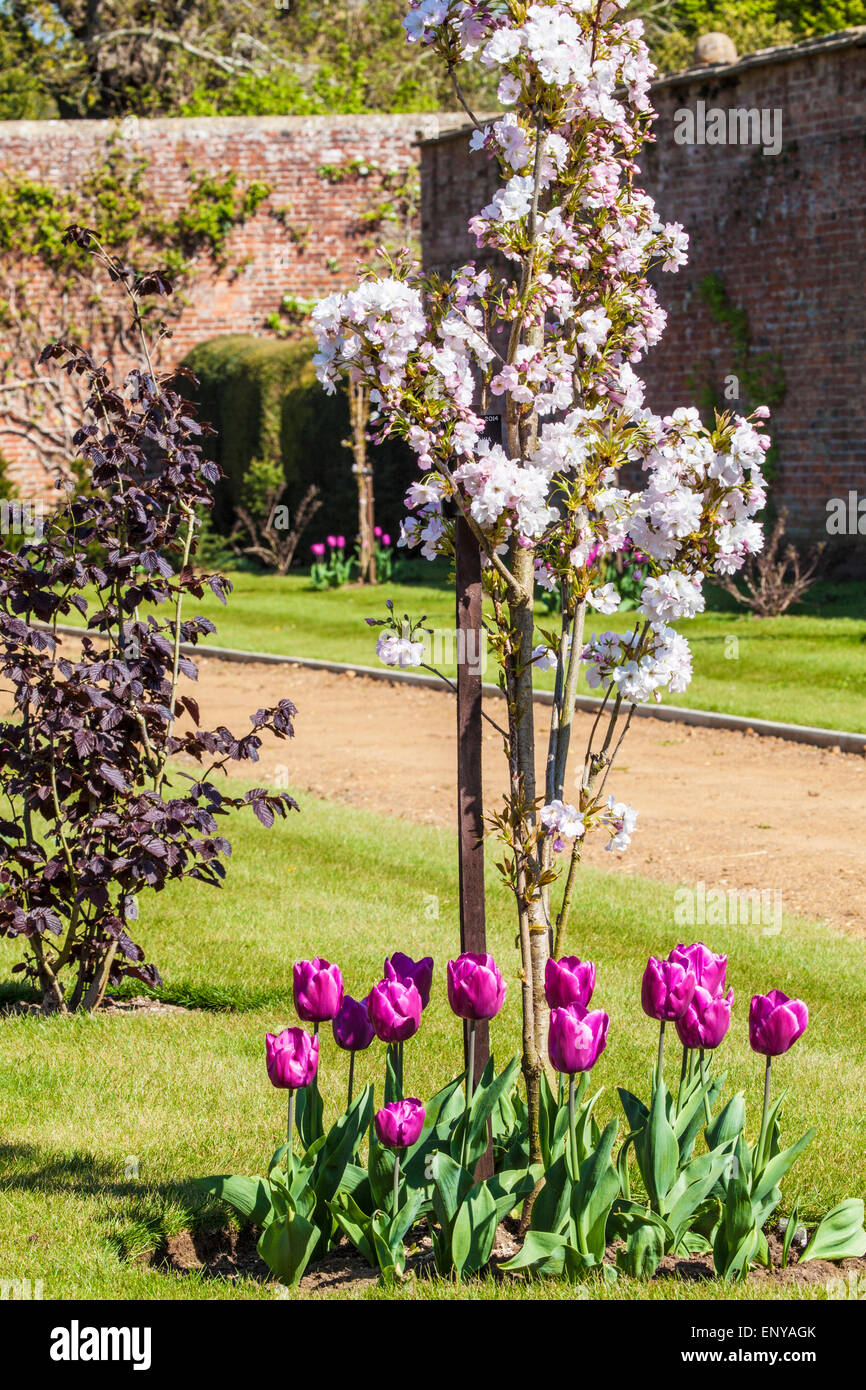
(300, 57)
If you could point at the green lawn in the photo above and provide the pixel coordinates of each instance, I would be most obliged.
(805, 668)
(187, 1094)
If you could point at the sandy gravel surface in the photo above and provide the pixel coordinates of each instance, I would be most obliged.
(731, 810)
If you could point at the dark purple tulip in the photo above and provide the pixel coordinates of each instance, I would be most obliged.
(706, 1020)
(353, 1030)
(419, 972)
(395, 1010)
(568, 981)
(666, 989)
(318, 989)
(399, 1125)
(576, 1039)
(707, 968)
(475, 987)
(292, 1058)
(776, 1022)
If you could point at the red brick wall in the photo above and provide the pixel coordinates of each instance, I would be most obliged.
(786, 233)
(285, 152)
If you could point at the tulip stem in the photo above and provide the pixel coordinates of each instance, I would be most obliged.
(470, 1076)
(683, 1070)
(290, 1127)
(707, 1111)
(351, 1078)
(572, 1130)
(396, 1180)
(763, 1140)
(661, 1052)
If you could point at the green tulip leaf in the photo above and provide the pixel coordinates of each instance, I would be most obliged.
(249, 1196)
(355, 1225)
(540, 1248)
(775, 1170)
(635, 1111)
(643, 1252)
(840, 1235)
(286, 1247)
(474, 1230)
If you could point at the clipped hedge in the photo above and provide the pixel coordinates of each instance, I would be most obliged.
(262, 398)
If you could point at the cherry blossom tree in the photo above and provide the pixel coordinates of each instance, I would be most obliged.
(554, 347)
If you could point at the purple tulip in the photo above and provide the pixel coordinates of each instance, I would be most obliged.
(386, 539)
(377, 531)
(417, 972)
(706, 1020)
(341, 542)
(318, 989)
(332, 542)
(352, 1028)
(395, 1009)
(475, 987)
(576, 1039)
(666, 989)
(399, 1125)
(292, 1058)
(318, 548)
(568, 981)
(776, 1022)
(707, 968)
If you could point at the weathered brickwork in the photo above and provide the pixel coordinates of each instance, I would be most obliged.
(265, 260)
(786, 234)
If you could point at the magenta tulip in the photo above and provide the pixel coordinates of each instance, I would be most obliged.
(399, 1125)
(341, 542)
(706, 1020)
(568, 981)
(318, 548)
(352, 1028)
(332, 542)
(416, 972)
(776, 1022)
(666, 989)
(292, 1058)
(576, 1039)
(707, 968)
(476, 989)
(318, 990)
(386, 540)
(395, 1009)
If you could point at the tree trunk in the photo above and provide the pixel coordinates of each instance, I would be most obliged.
(358, 413)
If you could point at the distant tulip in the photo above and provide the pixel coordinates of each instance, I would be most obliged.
(776, 1022)
(352, 1028)
(377, 531)
(386, 539)
(341, 542)
(399, 1125)
(395, 1010)
(476, 989)
(706, 1020)
(332, 542)
(419, 972)
(292, 1058)
(318, 548)
(318, 990)
(707, 968)
(576, 1039)
(666, 989)
(568, 981)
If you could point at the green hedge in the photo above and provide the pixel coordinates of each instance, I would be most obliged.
(262, 398)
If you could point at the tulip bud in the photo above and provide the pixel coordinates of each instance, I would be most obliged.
(292, 1058)
(706, 1019)
(352, 1028)
(476, 989)
(776, 1022)
(416, 972)
(568, 981)
(318, 990)
(399, 1125)
(708, 969)
(666, 989)
(395, 1010)
(576, 1039)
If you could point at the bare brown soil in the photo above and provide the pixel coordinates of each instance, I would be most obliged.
(731, 810)
(233, 1255)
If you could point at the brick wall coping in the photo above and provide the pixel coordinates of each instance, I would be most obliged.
(427, 123)
(783, 53)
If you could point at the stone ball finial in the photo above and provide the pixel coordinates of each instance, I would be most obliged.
(715, 48)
